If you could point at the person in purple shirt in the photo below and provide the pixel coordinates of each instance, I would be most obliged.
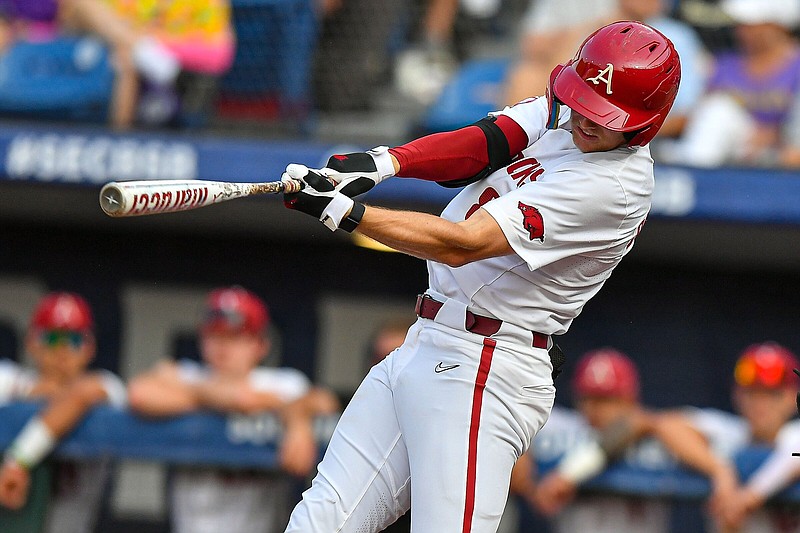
(751, 93)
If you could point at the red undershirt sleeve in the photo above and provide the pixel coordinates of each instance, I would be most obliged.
(455, 155)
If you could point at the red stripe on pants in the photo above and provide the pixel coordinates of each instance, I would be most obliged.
(474, 428)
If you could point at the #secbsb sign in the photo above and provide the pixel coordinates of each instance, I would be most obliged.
(97, 159)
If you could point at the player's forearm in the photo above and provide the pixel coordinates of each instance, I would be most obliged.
(41, 434)
(317, 402)
(431, 237)
(234, 397)
(689, 446)
(66, 410)
(154, 397)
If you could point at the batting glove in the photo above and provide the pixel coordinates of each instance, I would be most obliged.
(319, 198)
(357, 173)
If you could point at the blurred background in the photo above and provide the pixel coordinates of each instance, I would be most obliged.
(236, 89)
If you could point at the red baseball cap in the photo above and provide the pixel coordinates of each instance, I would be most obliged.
(767, 365)
(606, 372)
(234, 310)
(63, 311)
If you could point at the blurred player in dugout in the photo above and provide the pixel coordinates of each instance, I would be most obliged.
(610, 421)
(233, 343)
(61, 344)
(764, 391)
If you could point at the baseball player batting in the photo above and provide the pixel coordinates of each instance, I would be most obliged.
(556, 189)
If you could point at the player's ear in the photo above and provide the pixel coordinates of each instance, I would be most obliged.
(736, 398)
(266, 346)
(32, 343)
(90, 346)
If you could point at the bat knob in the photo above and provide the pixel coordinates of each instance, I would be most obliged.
(111, 200)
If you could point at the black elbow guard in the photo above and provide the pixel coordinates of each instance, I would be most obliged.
(497, 148)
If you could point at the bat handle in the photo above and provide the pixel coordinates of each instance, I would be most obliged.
(292, 186)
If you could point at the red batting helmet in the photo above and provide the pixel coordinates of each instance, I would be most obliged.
(624, 77)
(62, 311)
(235, 310)
(768, 365)
(606, 372)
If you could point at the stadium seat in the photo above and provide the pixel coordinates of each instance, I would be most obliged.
(473, 92)
(66, 78)
(271, 72)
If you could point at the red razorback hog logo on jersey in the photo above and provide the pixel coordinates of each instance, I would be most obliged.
(532, 221)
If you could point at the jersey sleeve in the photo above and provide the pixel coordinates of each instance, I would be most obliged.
(726, 433)
(115, 389)
(191, 371)
(532, 116)
(289, 384)
(8, 377)
(545, 221)
(780, 468)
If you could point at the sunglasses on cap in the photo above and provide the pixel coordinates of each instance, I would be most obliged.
(750, 372)
(56, 338)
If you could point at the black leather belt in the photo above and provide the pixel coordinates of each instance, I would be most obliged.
(427, 307)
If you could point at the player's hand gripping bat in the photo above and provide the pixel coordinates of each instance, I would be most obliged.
(149, 197)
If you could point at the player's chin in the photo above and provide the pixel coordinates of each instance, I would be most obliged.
(585, 143)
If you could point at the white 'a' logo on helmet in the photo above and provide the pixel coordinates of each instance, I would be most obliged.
(604, 76)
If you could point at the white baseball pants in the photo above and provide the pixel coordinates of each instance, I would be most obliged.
(437, 426)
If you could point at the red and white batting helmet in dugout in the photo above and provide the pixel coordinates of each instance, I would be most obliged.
(624, 77)
(234, 310)
(606, 372)
(64, 311)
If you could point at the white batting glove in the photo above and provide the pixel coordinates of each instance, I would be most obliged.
(356, 173)
(320, 199)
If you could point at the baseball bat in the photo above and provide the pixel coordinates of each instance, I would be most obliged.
(150, 197)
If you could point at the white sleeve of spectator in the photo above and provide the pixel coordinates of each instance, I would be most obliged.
(781, 468)
(288, 383)
(8, 377)
(583, 462)
(116, 392)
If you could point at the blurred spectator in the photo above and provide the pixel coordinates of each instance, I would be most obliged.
(388, 336)
(750, 95)
(764, 393)
(551, 32)
(233, 342)
(610, 420)
(694, 57)
(353, 54)
(135, 53)
(200, 35)
(61, 343)
(425, 66)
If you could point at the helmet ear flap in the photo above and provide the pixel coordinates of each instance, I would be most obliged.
(553, 103)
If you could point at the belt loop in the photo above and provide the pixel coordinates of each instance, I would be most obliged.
(469, 320)
(418, 305)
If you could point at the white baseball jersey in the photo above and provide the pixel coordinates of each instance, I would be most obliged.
(728, 434)
(450, 411)
(79, 485)
(569, 216)
(207, 500)
(595, 512)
